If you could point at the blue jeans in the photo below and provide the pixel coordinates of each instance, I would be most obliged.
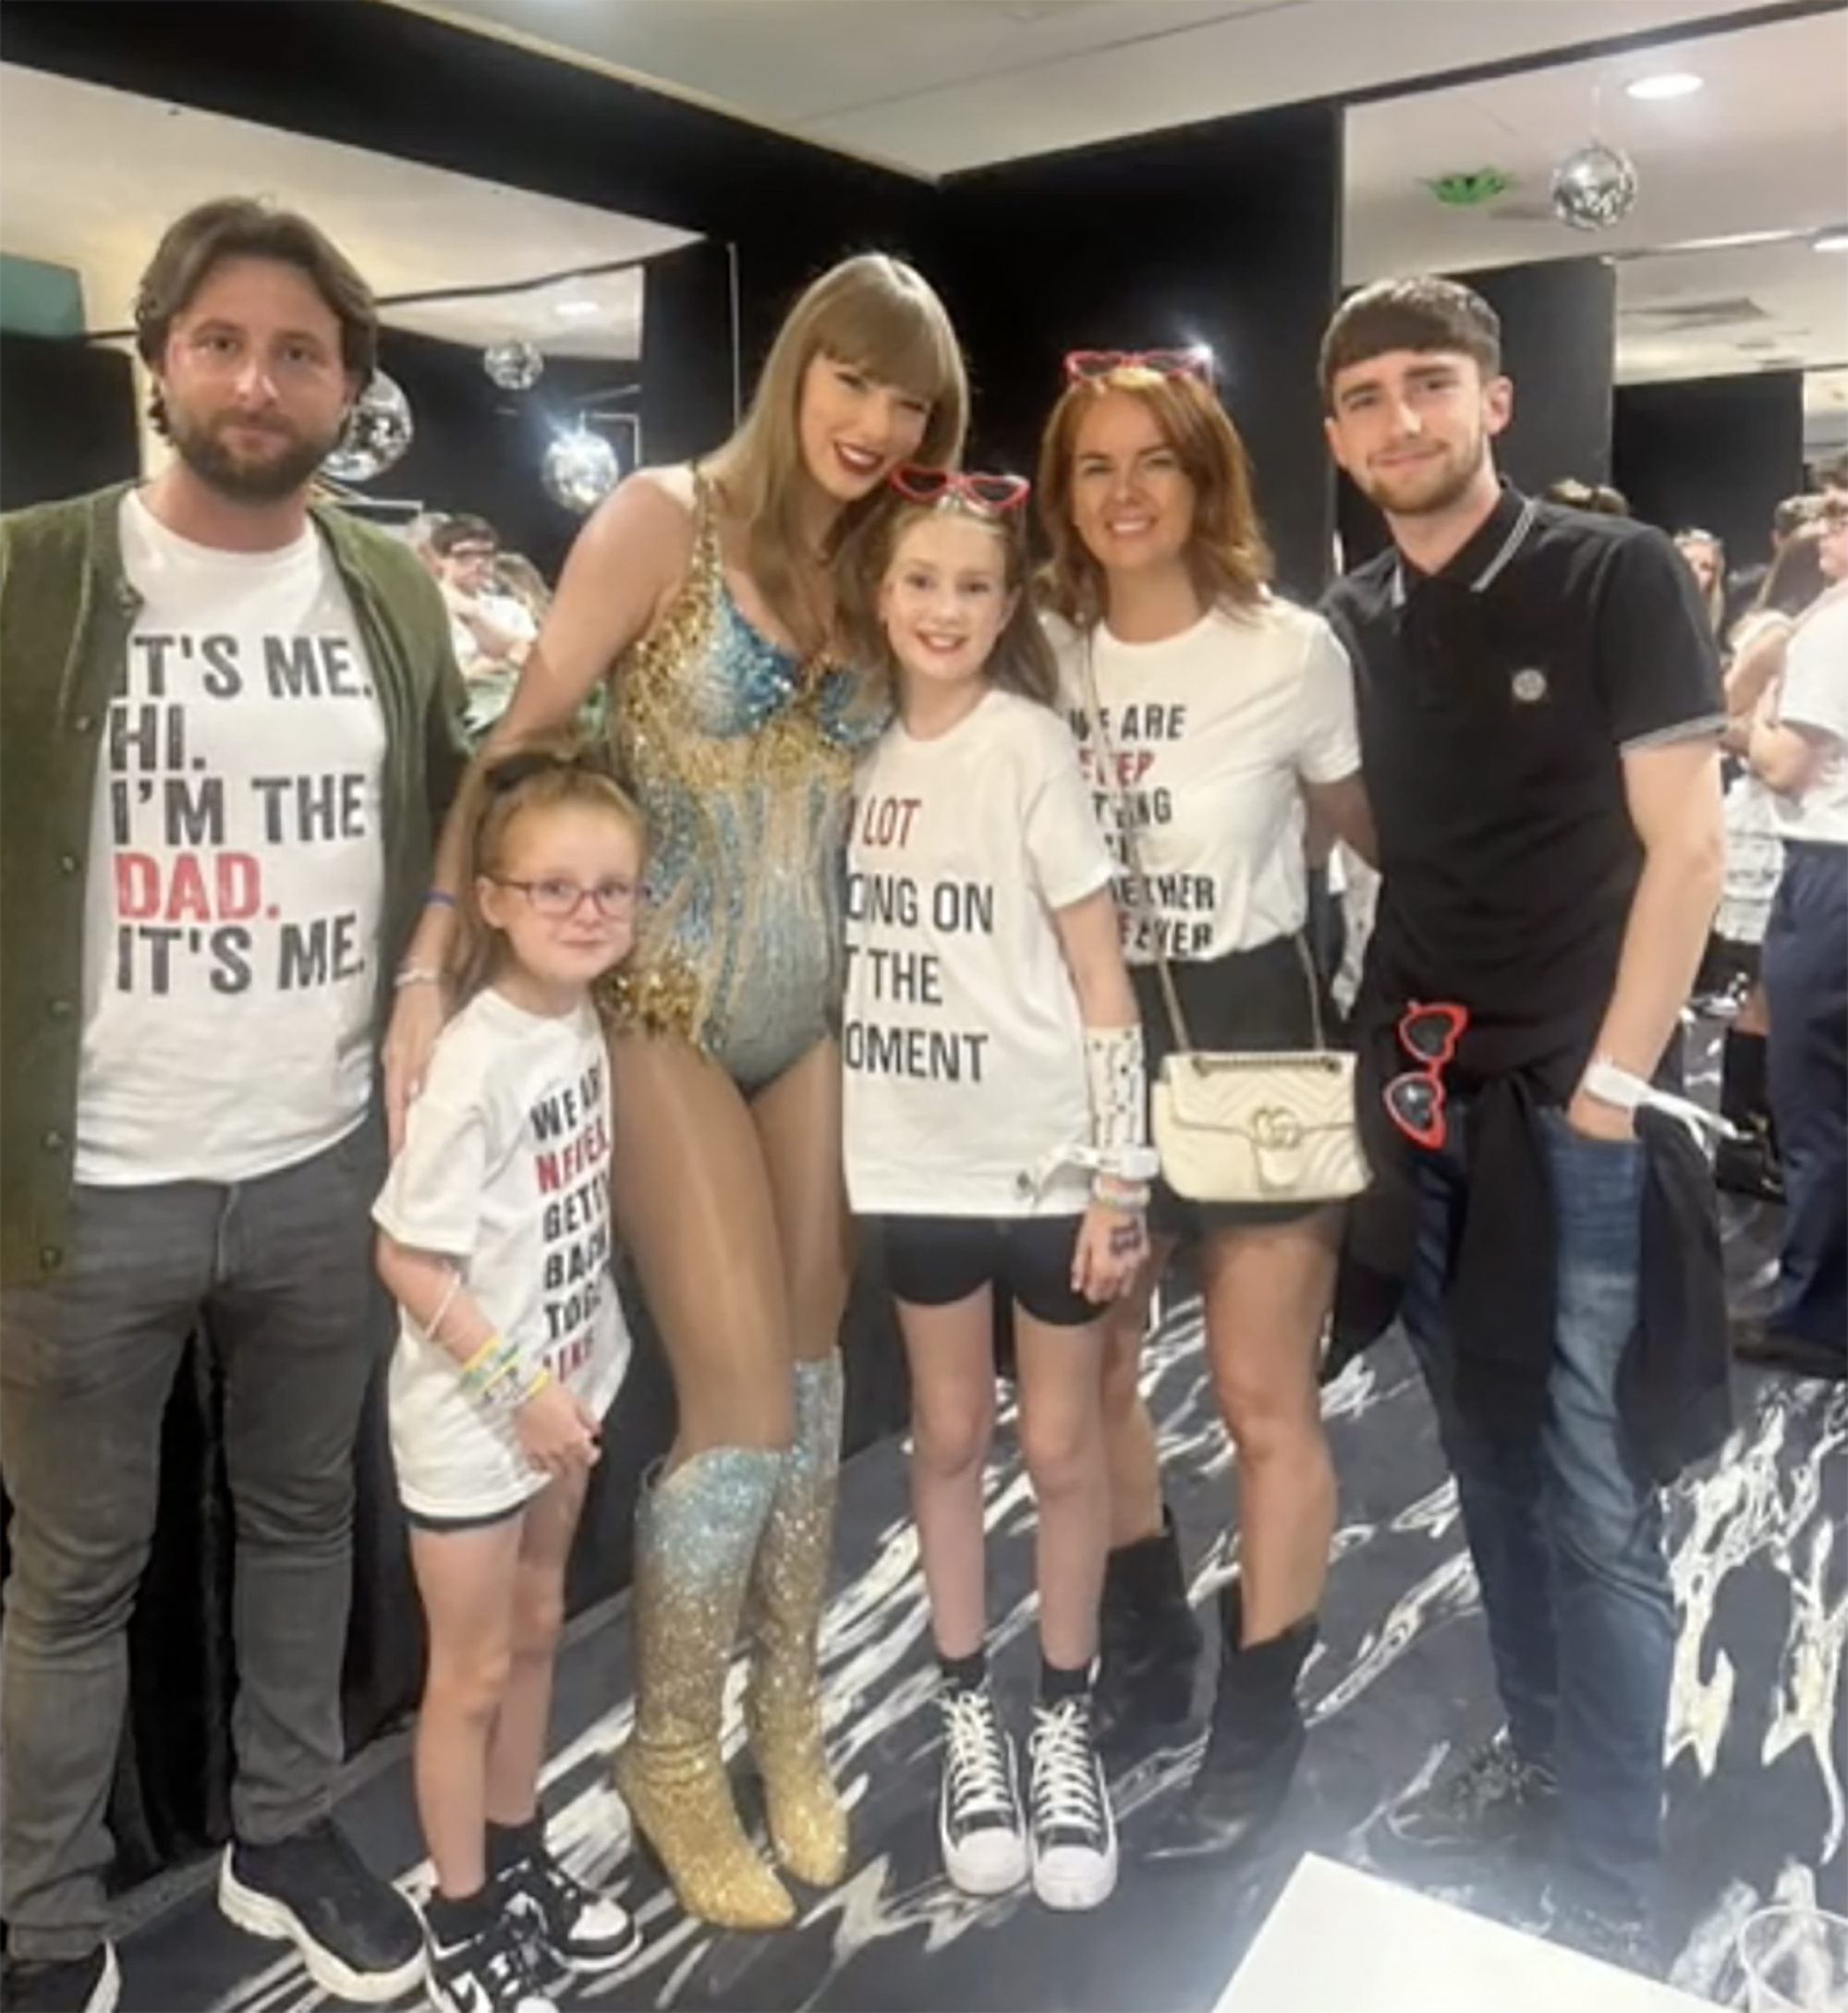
(1565, 1532)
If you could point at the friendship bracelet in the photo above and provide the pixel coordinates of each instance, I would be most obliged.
(489, 1364)
(439, 897)
(419, 975)
(1111, 1191)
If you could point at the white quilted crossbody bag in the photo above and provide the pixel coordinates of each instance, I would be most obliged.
(1231, 1127)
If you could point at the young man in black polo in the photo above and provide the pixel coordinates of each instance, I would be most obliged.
(1539, 710)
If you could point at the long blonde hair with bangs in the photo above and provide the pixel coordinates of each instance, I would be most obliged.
(873, 313)
(1228, 555)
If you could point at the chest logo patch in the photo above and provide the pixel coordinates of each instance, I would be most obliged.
(1529, 686)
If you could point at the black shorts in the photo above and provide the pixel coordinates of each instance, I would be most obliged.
(1253, 1001)
(936, 1261)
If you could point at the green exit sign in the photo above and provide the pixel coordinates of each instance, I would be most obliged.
(1469, 190)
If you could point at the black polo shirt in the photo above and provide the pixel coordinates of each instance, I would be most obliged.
(1495, 699)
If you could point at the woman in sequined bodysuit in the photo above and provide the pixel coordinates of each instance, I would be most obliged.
(706, 596)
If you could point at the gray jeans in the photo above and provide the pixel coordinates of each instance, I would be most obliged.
(278, 1272)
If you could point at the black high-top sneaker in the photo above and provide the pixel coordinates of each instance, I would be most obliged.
(981, 1825)
(486, 1971)
(1073, 1834)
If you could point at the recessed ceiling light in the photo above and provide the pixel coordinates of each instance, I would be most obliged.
(1670, 84)
(576, 310)
(1830, 241)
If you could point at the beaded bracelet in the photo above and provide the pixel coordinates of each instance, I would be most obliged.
(1111, 1191)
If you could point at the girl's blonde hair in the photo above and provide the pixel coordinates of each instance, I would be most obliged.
(872, 313)
(1228, 555)
(542, 773)
(1022, 661)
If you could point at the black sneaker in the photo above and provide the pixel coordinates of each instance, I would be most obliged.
(357, 1935)
(574, 1925)
(488, 1973)
(1073, 1830)
(981, 1825)
(1488, 1799)
(85, 1984)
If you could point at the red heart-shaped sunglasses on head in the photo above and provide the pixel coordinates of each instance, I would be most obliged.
(1086, 366)
(981, 492)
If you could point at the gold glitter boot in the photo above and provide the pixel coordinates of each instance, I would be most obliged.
(783, 1707)
(697, 1532)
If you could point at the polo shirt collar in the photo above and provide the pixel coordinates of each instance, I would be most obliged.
(1479, 563)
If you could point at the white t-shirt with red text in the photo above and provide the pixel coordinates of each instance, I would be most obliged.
(506, 1169)
(962, 1041)
(1214, 731)
(235, 889)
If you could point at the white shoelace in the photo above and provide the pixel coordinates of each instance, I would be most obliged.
(981, 1784)
(1065, 1770)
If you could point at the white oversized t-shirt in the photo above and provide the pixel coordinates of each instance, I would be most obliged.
(1214, 731)
(236, 880)
(506, 1168)
(1815, 695)
(961, 1038)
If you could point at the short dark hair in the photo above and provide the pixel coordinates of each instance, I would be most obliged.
(242, 227)
(1792, 514)
(1834, 474)
(462, 530)
(1599, 498)
(1424, 313)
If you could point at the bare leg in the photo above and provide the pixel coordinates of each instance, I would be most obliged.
(517, 1753)
(1062, 1441)
(465, 1579)
(950, 1354)
(1267, 1293)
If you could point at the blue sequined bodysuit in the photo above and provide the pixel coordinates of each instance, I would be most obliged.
(741, 758)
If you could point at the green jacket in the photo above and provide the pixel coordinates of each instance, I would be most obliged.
(65, 612)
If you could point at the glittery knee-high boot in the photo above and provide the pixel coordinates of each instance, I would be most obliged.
(697, 1533)
(783, 1707)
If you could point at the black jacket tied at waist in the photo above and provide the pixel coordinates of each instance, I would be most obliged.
(1501, 1278)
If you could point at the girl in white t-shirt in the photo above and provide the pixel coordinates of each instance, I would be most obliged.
(1227, 714)
(495, 1242)
(994, 1127)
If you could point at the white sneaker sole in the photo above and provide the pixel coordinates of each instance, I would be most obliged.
(1072, 1889)
(263, 1916)
(985, 1876)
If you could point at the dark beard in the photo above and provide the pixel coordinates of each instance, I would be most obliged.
(281, 474)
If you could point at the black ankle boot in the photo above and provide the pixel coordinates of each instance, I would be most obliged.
(1253, 1744)
(1149, 1642)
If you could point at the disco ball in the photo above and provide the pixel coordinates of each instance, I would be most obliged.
(580, 471)
(379, 430)
(515, 367)
(1594, 187)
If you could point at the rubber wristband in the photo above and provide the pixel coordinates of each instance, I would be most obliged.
(439, 897)
(419, 975)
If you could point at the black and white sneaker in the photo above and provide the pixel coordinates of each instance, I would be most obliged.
(980, 1824)
(488, 1973)
(357, 1935)
(568, 1923)
(1074, 1828)
(85, 1984)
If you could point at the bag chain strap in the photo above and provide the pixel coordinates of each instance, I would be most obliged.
(1169, 993)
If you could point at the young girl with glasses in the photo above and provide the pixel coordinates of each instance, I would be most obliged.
(495, 1242)
(994, 1124)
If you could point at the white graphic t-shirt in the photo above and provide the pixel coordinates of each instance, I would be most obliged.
(1815, 694)
(1214, 731)
(962, 1039)
(506, 1168)
(235, 879)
